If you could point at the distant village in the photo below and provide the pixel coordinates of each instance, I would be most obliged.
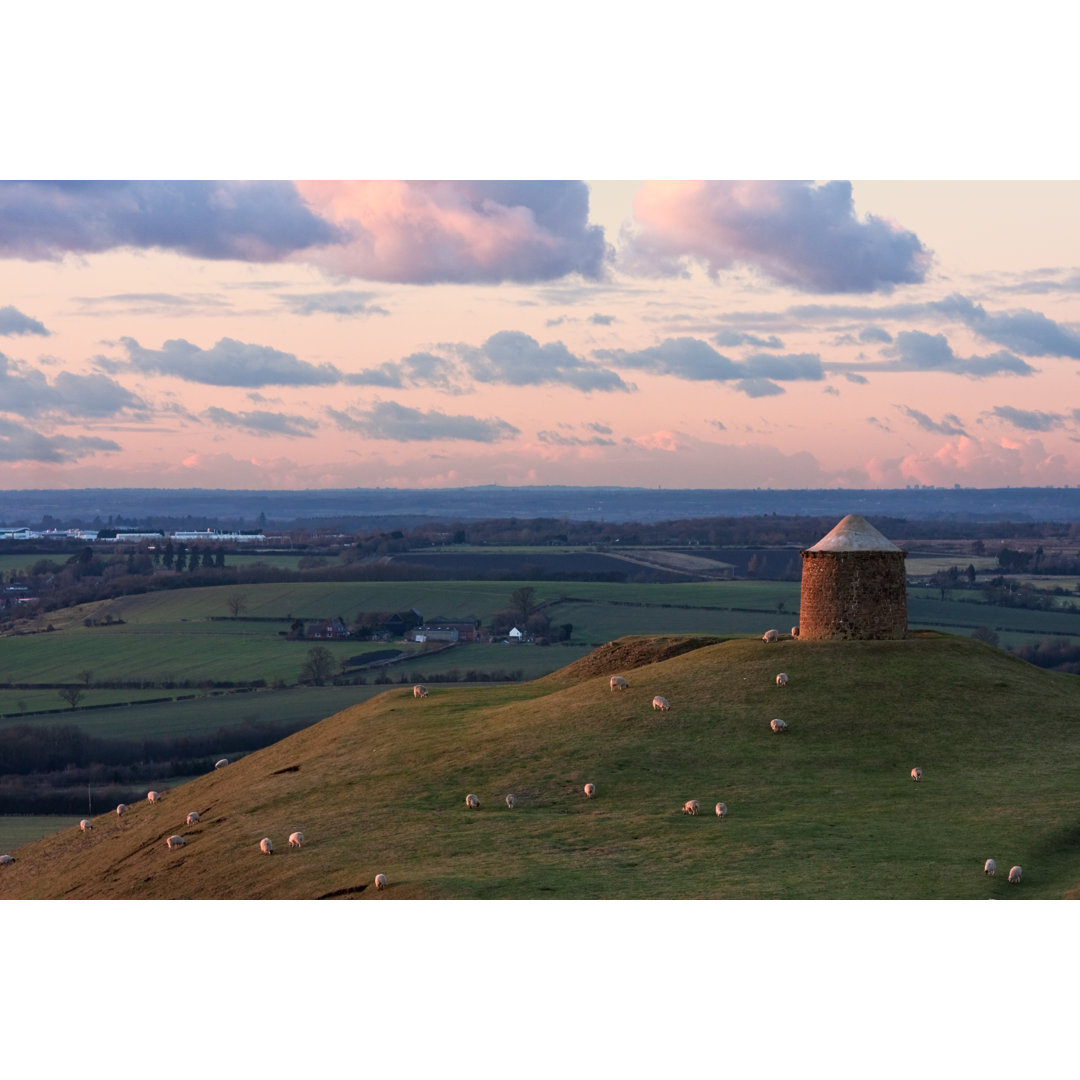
(126, 536)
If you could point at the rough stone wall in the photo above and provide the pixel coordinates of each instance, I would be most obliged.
(853, 594)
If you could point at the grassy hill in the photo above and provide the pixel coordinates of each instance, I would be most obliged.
(825, 811)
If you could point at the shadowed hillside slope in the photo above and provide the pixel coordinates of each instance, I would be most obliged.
(827, 810)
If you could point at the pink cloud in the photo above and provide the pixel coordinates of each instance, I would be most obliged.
(457, 231)
(975, 463)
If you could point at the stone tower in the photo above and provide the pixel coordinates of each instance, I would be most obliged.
(853, 585)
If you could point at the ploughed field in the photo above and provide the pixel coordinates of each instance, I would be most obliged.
(827, 810)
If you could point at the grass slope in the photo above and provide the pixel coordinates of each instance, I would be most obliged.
(826, 811)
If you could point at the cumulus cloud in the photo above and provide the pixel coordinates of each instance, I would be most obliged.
(516, 359)
(871, 335)
(730, 338)
(228, 363)
(389, 420)
(950, 425)
(20, 443)
(789, 367)
(1025, 331)
(916, 350)
(262, 422)
(601, 320)
(13, 322)
(1028, 419)
(27, 392)
(423, 232)
(259, 221)
(345, 303)
(756, 388)
(416, 369)
(794, 232)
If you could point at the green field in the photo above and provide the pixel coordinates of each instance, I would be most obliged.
(825, 811)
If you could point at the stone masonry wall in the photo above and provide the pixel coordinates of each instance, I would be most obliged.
(853, 594)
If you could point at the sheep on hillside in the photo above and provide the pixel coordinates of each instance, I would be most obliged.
(511, 801)
(193, 818)
(85, 825)
(660, 703)
(121, 809)
(590, 790)
(152, 796)
(916, 774)
(721, 810)
(6, 860)
(296, 839)
(472, 802)
(1015, 874)
(618, 683)
(990, 869)
(266, 846)
(419, 691)
(175, 841)
(690, 807)
(770, 636)
(380, 881)
(778, 726)
(781, 679)
(222, 763)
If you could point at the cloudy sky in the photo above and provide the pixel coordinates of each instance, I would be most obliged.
(442, 333)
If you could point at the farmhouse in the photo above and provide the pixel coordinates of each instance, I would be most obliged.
(853, 585)
(327, 630)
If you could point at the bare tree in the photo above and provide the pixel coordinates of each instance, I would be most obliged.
(318, 667)
(524, 601)
(72, 695)
(237, 602)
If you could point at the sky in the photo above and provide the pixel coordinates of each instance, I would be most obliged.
(442, 333)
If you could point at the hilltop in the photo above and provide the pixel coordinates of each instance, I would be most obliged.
(826, 811)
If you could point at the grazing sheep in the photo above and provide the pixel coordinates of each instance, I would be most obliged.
(618, 682)
(152, 796)
(511, 801)
(794, 631)
(380, 881)
(916, 774)
(770, 635)
(781, 679)
(121, 809)
(778, 726)
(85, 825)
(193, 818)
(222, 763)
(296, 839)
(1015, 874)
(660, 703)
(990, 869)
(472, 802)
(690, 807)
(419, 691)
(721, 810)
(266, 846)
(6, 860)
(175, 842)
(590, 790)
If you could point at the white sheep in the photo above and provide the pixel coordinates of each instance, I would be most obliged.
(85, 825)
(1015, 874)
(472, 802)
(419, 691)
(770, 635)
(916, 774)
(660, 703)
(266, 846)
(618, 683)
(380, 881)
(6, 860)
(590, 790)
(296, 839)
(511, 801)
(175, 841)
(222, 763)
(794, 631)
(721, 810)
(990, 869)
(152, 796)
(193, 818)
(690, 807)
(781, 679)
(121, 809)
(778, 726)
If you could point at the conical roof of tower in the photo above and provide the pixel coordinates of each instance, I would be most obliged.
(854, 533)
